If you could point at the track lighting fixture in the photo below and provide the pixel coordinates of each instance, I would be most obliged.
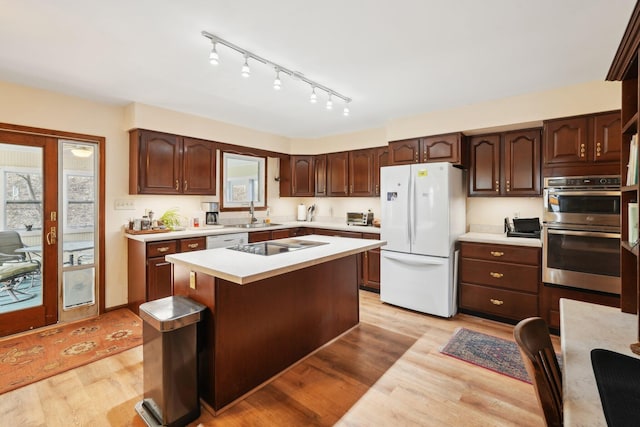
(277, 83)
(214, 59)
(246, 71)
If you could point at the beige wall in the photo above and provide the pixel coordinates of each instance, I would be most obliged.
(33, 107)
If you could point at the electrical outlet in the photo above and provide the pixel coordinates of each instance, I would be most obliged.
(125, 205)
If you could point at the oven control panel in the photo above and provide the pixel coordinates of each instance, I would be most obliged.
(584, 181)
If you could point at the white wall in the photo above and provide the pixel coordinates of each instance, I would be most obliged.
(38, 108)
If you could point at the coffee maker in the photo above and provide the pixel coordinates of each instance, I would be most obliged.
(211, 213)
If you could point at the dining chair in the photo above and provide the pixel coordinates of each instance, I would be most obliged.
(539, 357)
(15, 267)
(9, 242)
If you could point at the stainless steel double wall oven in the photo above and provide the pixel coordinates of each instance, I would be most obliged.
(581, 233)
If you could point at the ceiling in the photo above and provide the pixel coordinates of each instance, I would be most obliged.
(393, 58)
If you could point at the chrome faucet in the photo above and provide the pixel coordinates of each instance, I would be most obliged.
(251, 212)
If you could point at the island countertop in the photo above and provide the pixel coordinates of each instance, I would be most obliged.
(242, 268)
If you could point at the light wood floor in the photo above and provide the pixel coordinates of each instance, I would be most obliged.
(386, 372)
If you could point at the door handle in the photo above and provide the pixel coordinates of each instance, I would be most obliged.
(51, 236)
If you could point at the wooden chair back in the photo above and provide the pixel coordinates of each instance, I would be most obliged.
(539, 357)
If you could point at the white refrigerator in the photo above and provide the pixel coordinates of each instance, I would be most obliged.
(423, 213)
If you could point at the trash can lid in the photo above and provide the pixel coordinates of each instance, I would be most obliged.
(166, 314)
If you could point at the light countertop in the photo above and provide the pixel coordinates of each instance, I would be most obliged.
(585, 326)
(500, 239)
(209, 230)
(243, 268)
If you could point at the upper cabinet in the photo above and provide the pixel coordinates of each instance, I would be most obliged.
(320, 168)
(297, 176)
(382, 158)
(583, 145)
(338, 174)
(162, 163)
(438, 148)
(505, 164)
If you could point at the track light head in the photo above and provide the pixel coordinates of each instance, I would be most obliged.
(313, 98)
(214, 59)
(277, 84)
(246, 71)
(329, 103)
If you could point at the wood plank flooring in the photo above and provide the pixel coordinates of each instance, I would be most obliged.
(386, 372)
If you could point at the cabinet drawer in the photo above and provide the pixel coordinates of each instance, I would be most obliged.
(280, 234)
(165, 247)
(195, 244)
(503, 253)
(338, 233)
(499, 302)
(508, 276)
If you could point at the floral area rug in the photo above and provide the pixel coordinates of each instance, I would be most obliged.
(497, 354)
(41, 354)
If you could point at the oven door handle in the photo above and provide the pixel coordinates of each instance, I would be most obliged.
(584, 233)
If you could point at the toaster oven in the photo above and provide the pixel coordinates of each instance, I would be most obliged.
(359, 218)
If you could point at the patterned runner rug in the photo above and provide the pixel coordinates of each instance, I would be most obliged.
(497, 354)
(41, 354)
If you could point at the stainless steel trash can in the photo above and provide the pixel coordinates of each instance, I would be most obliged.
(170, 367)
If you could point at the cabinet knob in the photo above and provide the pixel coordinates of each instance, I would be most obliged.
(163, 249)
(177, 185)
(598, 149)
(185, 185)
(496, 301)
(582, 149)
(496, 275)
(496, 253)
(497, 186)
(193, 245)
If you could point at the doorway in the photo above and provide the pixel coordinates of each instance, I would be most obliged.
(52, 191)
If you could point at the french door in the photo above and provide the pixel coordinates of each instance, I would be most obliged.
(49, 269)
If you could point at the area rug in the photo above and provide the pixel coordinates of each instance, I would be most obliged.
(497, 354)
(32, 357)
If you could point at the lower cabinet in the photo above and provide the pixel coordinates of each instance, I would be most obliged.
(150, 277)
(371, 266)
(499, 280)
(264, 235)
(550, 301)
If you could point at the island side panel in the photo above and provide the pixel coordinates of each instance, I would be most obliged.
(257, 330)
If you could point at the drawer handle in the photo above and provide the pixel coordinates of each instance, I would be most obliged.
(163, 249)
(496, 301)
(496, 275)
(193, 245)
(496, 253)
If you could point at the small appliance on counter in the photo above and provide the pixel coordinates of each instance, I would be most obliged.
(360, 218)
(523, 227)
(302, 212)
(211, 213)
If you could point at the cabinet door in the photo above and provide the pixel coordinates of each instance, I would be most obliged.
(338, 174)
(522, 163)
(320, 169)
(484, 176)
(281, 234)
(405, 152)
(382, 158)
(259, 236)
(565, 141)
(199, 167)
(159, 278)
(607, 137)
(442, 148)
(361, 172)
(159, 163)
(302, 176)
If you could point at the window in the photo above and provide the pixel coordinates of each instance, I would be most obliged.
(23, 200)
(80, 200)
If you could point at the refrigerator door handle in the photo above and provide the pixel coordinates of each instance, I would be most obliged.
(412, 261)
(409, 212)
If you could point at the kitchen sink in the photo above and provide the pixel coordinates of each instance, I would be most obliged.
(253, 225)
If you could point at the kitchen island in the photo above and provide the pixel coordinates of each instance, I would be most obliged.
(266, 313)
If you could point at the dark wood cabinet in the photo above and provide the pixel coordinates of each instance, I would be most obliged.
(500, 280)
(583, 145)
(371, 266)
(320, 170)
(437, 148)
(362, 172)
(149, 276)
(264, 235)
(297, 176)
(505, 164)
(338, 174)
(382, 158)
(162, 163)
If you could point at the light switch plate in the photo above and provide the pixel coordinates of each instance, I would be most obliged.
(125, 205)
